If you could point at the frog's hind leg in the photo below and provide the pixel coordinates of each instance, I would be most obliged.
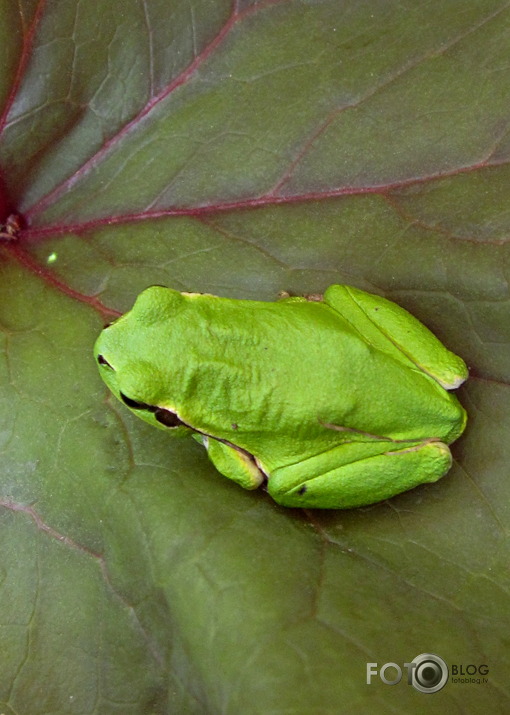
(390, 328)
(360, 479)
(233, 463)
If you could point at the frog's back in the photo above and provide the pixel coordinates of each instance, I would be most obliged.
(290, 368)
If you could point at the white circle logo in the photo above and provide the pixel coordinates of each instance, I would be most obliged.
(429, 674)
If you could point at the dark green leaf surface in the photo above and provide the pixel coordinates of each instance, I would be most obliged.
(244, 150)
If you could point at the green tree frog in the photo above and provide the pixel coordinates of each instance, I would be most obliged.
(331, 403)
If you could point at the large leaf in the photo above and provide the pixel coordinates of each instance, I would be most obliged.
(243, 150)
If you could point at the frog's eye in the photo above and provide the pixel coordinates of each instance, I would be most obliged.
(167, 418)
(104, 362)
(163, 416)
(134, 404)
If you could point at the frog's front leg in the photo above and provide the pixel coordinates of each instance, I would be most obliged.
(362, 474)
(233, 463)
(390, 328)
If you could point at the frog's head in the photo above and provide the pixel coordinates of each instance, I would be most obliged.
(126, 353)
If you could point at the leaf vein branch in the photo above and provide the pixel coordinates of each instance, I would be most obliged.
(234, 18)
(29, 511)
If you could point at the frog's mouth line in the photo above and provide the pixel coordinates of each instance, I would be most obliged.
(170, 419)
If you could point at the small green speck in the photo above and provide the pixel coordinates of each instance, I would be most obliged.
(51, 258)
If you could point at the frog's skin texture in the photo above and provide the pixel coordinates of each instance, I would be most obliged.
(332, 404)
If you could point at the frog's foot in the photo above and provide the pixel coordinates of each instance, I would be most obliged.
(359, 478)
(233, 463)
(390, 328)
